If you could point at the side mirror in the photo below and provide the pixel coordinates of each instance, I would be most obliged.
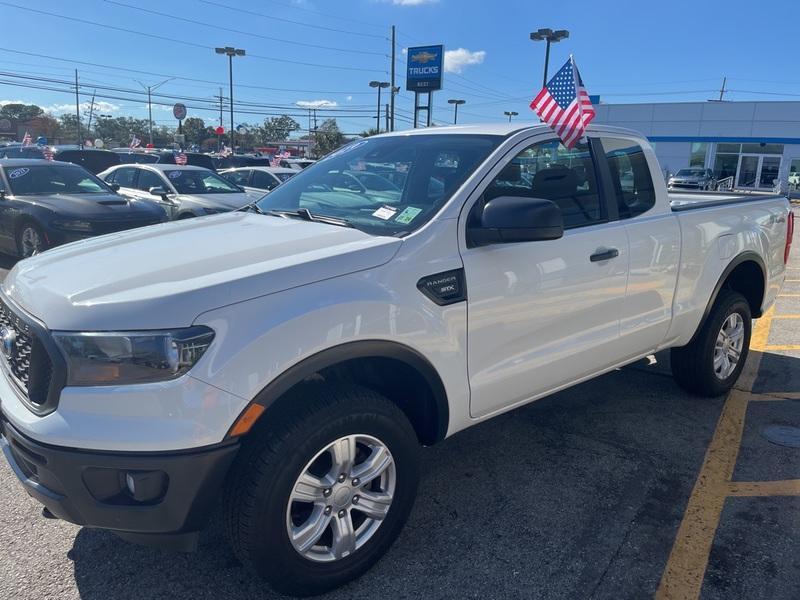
(158, 191)
(114, 186)
(510, 219)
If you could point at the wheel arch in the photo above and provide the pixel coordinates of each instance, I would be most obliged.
(392, 369)
(746, 274)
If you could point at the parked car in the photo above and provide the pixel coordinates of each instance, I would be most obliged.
(291, 359)
(20, 151)
(233, 161)
(48, 203)
(128, 156)
(297, 163)
(693, 178)
(183, 190)
(195, 159)
(258, 179)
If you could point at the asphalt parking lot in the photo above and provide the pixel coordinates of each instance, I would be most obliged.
(623, 487)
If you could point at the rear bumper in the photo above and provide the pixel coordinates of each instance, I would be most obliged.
(172, 498)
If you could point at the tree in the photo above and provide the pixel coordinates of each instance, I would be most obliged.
(276, 129)
(369, 132)
(22, 112)
(327, 138)
(44, 125)
(195, 130)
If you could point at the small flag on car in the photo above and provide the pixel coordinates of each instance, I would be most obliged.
(47, 152)
(180, 158)
(26, 139)
(564, 104)
(135, 142)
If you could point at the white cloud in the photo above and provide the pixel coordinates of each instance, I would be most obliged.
(4, 102)
(99, 107)
(316, 103)
(349, 98)
(455, 61)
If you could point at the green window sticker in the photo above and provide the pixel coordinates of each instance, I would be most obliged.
(408, 215)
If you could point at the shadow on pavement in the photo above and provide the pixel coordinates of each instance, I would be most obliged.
(576, 495)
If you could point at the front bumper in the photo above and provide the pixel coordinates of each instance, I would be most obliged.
(686, 185)
(174, 492)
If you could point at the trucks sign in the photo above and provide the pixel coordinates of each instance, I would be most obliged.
(424, 70)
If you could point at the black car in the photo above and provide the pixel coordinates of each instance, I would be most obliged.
(195, 159)
(93, 160)
(235, 161)
(47, 203)
(137, 157)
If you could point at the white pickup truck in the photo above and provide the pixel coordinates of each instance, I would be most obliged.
(292, 358)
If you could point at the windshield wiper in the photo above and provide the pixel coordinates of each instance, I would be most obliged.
(305, 214)
(252, 206)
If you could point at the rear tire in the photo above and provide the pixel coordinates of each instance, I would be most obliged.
(712, 362)
(299, 442)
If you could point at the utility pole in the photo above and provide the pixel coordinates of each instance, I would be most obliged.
(91, 114)
(78, 111)
(393, 88)
(387, 117)
(722, 89)
(149, 89)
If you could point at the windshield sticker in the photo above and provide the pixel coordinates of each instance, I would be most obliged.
(175, 174)
(22, 171)
(408, 215)
(385, 212)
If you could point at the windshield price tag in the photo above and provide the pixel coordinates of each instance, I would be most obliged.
(408, 215)
(385, 212)
(18, 172)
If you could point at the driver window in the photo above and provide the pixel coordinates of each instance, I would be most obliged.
(551, 171)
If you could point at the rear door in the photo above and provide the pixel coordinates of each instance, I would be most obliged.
(542, 315)
(655, 243)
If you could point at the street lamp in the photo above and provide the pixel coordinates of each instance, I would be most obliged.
(510, 113)
(231, 52)
(456, 102)
(380, 85)
(551, 37)
(149, 89)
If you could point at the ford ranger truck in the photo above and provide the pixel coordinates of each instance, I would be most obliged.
(292, 358)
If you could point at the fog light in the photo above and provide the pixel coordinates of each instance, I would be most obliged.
(146, 486)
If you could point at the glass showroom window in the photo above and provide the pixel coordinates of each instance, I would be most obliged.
(697, 158)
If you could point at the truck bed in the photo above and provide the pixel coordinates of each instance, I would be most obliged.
(680, 201)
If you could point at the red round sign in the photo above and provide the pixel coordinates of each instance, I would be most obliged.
(220, 130)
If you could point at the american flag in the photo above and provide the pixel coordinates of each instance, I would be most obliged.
(180, 158)
(135, 142)
(47, 152)
(564, 104)
(26, 139)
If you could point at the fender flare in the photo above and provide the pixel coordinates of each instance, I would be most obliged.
(361, 349)
(746, 256)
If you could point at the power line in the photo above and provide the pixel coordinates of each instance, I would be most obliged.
(274, 18)
(218, 27)
(183, 42)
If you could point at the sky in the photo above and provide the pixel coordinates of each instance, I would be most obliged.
(323, 53)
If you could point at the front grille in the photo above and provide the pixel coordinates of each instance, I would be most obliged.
(25, 357)
(103, 227)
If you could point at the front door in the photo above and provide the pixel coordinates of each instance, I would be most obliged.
(543, 314)
(757, 171)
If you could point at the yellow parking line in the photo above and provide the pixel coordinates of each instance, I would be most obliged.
(781, 347)
(794, 316)
(760, 335)
(788, 295)
(686, 566)
(772, 397)
(789, 487)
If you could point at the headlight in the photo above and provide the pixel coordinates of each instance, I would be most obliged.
(84, 226)
(111, 358)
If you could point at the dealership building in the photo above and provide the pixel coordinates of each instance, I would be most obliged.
(756, 144)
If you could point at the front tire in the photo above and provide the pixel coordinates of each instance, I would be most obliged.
(712, 362)
(322, 490)
(30, 239)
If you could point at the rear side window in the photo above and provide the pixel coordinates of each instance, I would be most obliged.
(630, 176)
(551, 171)
(124, 177)
(237, 177)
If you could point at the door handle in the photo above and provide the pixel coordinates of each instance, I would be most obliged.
(604, 254)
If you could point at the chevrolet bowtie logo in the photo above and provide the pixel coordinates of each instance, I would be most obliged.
(424, 57)
(8, 338)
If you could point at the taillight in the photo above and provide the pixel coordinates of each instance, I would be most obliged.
(789, 234)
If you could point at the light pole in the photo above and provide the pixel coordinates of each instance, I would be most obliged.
(456, 102)
(549, 36)
(510, 113)
(231, 52)
(380, 85)
(149, 89)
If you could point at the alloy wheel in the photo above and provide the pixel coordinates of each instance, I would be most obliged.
(31, 241)
(728, 347)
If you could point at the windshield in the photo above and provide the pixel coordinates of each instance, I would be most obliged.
(691, 172)
(384, 186)
(199, 182)
(54, 179)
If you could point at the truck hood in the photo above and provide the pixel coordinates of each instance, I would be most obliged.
(165, 275)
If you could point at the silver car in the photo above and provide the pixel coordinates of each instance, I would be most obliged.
(258, 179)
(183, 190)
(693, 178)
